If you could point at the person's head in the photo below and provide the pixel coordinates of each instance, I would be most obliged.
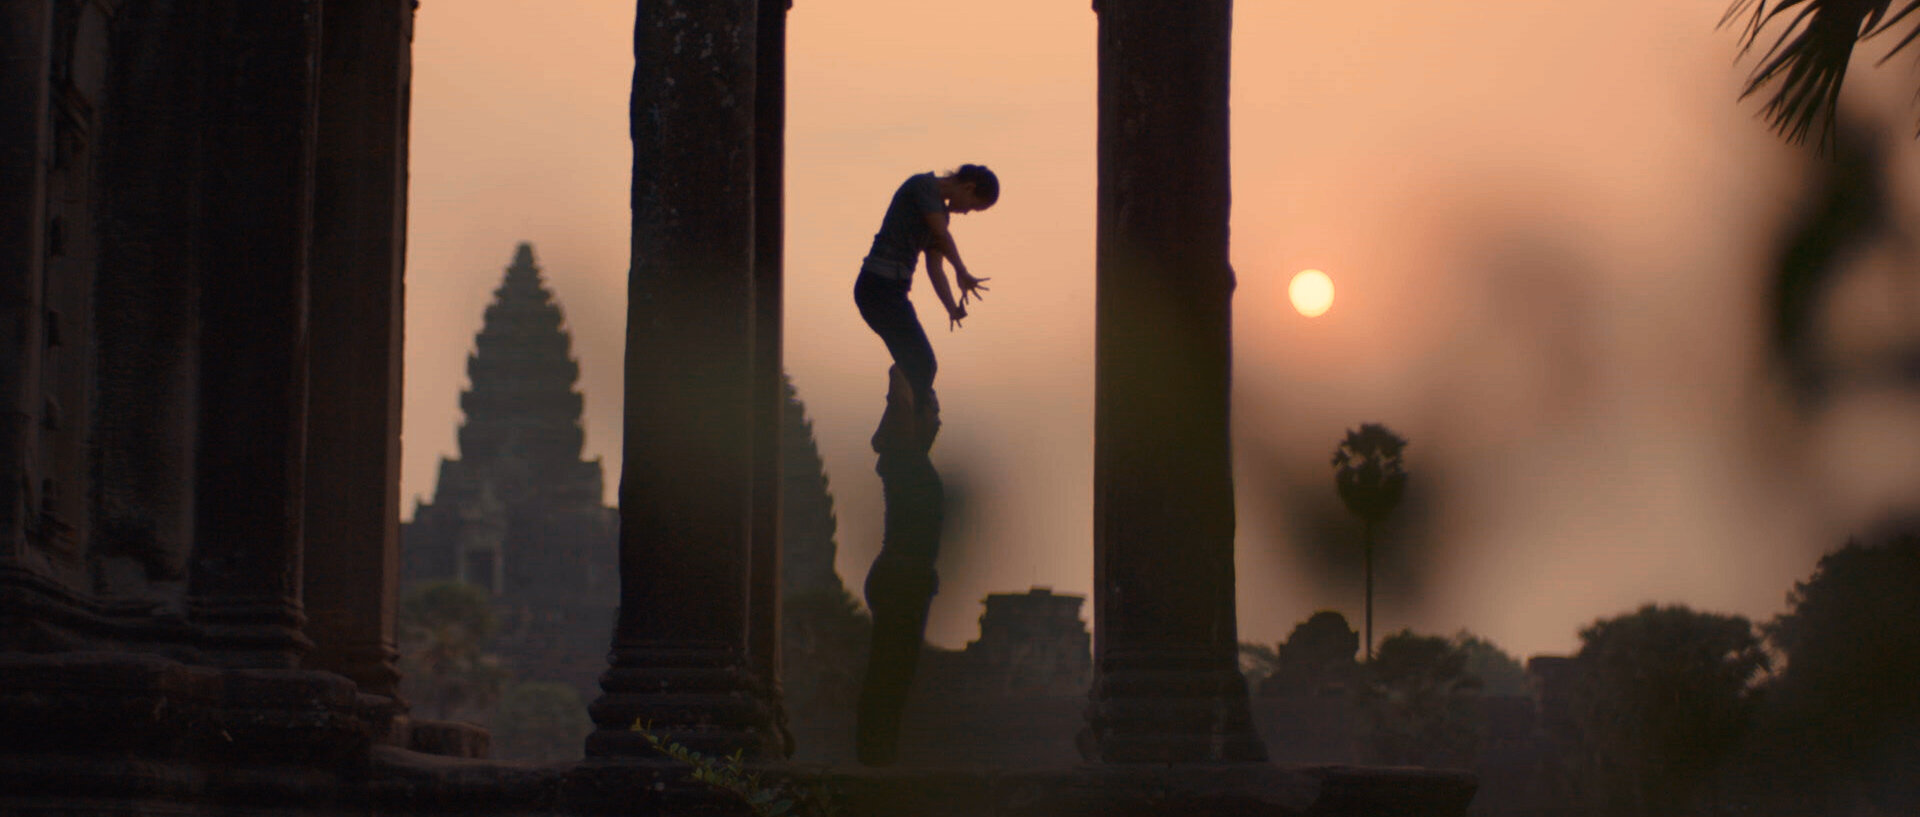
(975, 188)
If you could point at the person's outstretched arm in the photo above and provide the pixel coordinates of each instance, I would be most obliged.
(938, 275)
(943, 244)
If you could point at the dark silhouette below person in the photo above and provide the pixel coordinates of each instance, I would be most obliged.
(901, 584)
(902, 581)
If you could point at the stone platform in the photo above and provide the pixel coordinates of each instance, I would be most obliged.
(136, 735)
(1227, 790)
(408, 783)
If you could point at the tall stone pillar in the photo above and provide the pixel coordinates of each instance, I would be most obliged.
(255, 208)
(1167, 686)
(352, 525)
(26, 38)
(681, 659)
(769, 387)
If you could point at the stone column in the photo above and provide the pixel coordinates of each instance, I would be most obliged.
(1167, 686)
(255, 210)
(680, 656)
(142, 433)
(352, 525)
(26, 34)
(769, 387)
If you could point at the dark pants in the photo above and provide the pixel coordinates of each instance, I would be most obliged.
(883, 304)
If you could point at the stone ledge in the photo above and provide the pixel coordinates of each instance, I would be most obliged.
(405, 783)
(409, 782)
(88, 731)
(448, 738)
(1139, 790)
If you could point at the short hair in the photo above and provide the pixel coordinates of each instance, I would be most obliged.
(985, 184)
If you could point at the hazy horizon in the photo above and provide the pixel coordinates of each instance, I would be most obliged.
(1547, 226)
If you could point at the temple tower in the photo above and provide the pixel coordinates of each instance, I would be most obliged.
(519, 513)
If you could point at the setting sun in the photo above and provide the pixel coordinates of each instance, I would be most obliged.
(1311, 292)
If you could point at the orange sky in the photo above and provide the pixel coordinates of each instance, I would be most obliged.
(1541, 219)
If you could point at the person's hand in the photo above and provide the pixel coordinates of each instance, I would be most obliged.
(954, 315)
(970, 286)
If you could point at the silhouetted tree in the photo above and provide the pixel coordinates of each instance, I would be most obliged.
(1421, 703)
(1843, 719)
(444, 627)
(1808, 60)
(1370, 477)
(540, 722)
(1499, 673)
(1317, 655)
(1659, 698)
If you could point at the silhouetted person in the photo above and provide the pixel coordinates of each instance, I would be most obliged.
(902, 581)
(916, 224)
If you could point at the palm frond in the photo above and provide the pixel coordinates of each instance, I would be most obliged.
(1807, 63)
(1876, 27)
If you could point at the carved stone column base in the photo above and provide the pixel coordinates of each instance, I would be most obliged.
(374, 668)
(41, 616)
(126, 733)
(1170, 707)
(706, 700)
(254, 633)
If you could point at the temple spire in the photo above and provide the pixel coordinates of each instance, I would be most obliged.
(523, 404)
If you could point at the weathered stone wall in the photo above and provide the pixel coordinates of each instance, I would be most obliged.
(154, 337)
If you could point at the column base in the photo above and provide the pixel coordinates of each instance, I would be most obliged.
(375, 668)
(127, 733)
(1169, 707)
(41, 616)
(251, 633)
(706, 700)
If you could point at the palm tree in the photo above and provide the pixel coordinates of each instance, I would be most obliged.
(1370, 478)
(1809, 58)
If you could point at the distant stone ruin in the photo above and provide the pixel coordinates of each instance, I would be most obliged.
(519, 513)
(1032, 643)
